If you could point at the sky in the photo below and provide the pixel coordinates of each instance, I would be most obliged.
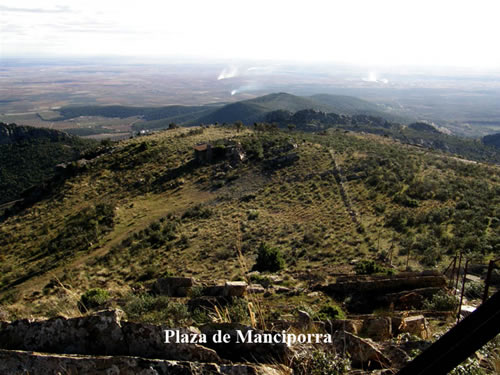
(384, 32)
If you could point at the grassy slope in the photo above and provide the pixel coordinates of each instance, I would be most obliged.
(28, 162)
(297, 208)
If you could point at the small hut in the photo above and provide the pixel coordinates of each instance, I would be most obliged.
(203, 152)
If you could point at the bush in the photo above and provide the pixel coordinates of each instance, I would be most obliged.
(321, 363)
(266, 282)
(329, 312)
(155, 309)
(441, 301)
(238, 311)
(197, 212)
(368, 267)
(253, 214)
(93, 298)
(474, 290)
(269, 259)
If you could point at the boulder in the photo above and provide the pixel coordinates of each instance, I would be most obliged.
(415, 325)
(275, 279)
(282, 289)
(364, 353)
(378, 329)
(173, 286)
(255, 289)
(235, 288)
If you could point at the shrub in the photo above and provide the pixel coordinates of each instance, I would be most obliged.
(321, 363)
(441, 301)
(474, 290)
(253, 214)
(155, 309)
(329, 312)
(368, 267)
(266, 282)
(197, 212)
(238, 311)
(269, 259)
(431, 257)
(93, 298)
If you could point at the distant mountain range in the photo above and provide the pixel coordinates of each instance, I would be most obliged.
(247, 111)
(306, 113)
(255, 110)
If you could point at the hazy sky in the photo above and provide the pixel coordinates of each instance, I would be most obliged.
(374, 32)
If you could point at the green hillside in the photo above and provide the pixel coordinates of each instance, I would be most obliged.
(255, 110)
(146, 208)
(349, 105)
(492, 140)
(28, 156)
(248, 111)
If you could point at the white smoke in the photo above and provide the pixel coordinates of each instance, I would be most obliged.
(248, 87)
(229, 72)
(373, 77)
(233, 71)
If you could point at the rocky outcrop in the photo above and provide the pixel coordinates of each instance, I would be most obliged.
(364, 353)
(96, 334)
(20, 362)
(100, 334)
(173, 286)
(235, 288)
(414, 325)
(378, 328)
(255, 289)
(410, 300)
(404, 281)
(370, 292)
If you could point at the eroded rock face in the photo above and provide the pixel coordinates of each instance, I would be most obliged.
(100, 334)
(379, 328)
(235, 288)
(19, 362)
(364, 353)
(96, 334)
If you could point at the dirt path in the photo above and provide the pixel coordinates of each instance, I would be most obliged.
(341, 180)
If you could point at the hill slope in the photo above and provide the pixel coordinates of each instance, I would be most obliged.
(146, 208)
(28, 156)
(492, 140)
(248, 111)
(254, 110)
